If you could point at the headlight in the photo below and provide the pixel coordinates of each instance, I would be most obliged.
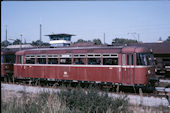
(149, 72)
(6, 67)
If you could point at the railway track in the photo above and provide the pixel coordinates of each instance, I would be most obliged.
(164, 86)
(159, 91)
(162, 90)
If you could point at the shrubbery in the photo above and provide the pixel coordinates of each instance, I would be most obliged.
(91, 101)
(66, 101)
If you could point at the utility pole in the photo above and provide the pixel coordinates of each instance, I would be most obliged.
(6, 33)
(138, 37)
(40, 32)
(104, 38)
(21, 42)
(40, 35)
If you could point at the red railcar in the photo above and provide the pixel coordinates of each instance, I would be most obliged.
(7, 63)
(109, 65)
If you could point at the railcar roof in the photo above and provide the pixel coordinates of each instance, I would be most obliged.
(158, 48)
(92, 49)
(73, 48)
(8, 51)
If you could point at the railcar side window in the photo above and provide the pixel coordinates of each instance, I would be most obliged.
(52, 61)
(30, 60)
(65, 60)
(41, 60)
(132, 59)
(127, 59)
(94, 61)
(79, 60)
(123, 59)
(110, 61)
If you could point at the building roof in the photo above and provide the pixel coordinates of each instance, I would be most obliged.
(157, 48)
(18, 46)
(61, 34)
(82, 44)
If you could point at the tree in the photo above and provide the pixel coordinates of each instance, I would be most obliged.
(168, 39)
(5, 43)
(46, 44)
(17, 42)
(123, 41)
(39, 43)
(80, 40)
(97, 41)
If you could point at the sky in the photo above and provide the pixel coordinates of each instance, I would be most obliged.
(88, 20)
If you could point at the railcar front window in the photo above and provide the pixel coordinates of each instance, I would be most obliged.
(151, 59)
(144, 59)
(9, 58)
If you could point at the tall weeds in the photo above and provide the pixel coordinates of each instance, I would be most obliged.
(66, 101)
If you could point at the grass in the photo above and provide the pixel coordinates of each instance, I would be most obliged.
(76, 100)
(66, 101)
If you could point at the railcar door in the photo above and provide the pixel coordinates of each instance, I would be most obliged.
(131, 67)
(127, 69)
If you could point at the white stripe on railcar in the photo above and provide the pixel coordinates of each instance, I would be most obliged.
(57, 65)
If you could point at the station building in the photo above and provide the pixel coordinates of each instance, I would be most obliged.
(60, 40)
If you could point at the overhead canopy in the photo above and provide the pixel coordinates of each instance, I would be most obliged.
(61, 34)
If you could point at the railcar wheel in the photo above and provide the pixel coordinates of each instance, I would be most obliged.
(37, 82)
(5, 78)
(8, 78)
